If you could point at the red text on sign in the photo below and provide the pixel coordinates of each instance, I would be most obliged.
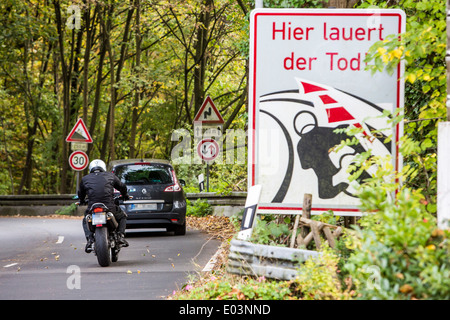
(349, 34)
(344, 63)
(286, 32)
(300, 63)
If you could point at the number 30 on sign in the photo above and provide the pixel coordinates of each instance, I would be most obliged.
(78, 160)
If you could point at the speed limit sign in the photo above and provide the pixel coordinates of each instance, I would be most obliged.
(78, 160)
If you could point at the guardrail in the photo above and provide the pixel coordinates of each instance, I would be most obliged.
(37, 200)
(44, 204)
(234, 198)
(246, 258)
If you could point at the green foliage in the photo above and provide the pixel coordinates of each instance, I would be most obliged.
(67, 210)
(318, 278)
(37, 103)
(198, 208)
(422, 48)
(326, 217)
(399, 252)
(269, 232)
(228, 287)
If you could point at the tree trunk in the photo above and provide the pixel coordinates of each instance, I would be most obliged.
(66, 97)
(87, 54)
(341, 3)
(137, 93)
(25, 183)
(114, 78)
(99, 81)
(200, 56)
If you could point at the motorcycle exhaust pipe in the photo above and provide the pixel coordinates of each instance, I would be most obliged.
(111, 221)
(88, 219)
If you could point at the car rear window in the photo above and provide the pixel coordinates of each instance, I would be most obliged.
(143, 174)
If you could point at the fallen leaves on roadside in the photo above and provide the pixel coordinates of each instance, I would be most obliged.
(219, 227)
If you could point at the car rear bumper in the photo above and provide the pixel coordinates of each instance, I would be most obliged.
(143, 219)
(155, 221)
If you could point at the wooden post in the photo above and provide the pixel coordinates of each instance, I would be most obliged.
(294, 231)
(341, 3)
(306, 211)
(315, 230)
(329, 236)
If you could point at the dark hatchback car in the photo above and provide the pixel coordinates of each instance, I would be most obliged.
(158, 197)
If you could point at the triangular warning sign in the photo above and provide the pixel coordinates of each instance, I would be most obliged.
(79, 133)
(208, 113)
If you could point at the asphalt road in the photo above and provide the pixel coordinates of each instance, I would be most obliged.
(43, 258)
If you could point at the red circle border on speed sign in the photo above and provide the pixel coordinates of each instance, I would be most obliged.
(204, 142)
(74, 164)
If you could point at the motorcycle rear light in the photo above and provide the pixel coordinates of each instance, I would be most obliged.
(98, 210)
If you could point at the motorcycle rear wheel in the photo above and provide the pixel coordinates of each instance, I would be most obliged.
(102, 247)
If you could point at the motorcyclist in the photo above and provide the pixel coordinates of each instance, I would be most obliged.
(99, 186)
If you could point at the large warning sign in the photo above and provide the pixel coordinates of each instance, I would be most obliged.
(307, 79)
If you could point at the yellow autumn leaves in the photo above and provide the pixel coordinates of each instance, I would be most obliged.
(388, 56)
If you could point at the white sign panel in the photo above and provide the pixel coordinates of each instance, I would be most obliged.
(307, 79)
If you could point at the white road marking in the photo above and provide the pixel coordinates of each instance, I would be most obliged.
(60, 240)
(10, 265)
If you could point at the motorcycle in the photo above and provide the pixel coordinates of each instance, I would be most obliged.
(102, 223)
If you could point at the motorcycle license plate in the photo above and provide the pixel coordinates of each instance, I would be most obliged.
(99, 218)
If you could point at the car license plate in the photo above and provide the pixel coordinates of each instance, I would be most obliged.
(146, 206)
(99, 218)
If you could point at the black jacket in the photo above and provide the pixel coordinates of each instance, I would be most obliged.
(99, 187)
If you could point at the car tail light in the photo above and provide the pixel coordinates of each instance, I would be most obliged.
(175, 187)
(169, 189)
